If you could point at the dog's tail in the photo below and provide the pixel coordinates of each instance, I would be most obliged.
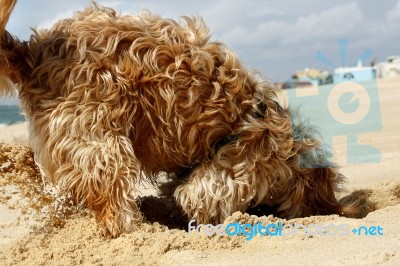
(8, 74)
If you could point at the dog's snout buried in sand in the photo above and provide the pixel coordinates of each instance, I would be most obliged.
(112, 100)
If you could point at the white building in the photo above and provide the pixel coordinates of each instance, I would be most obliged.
(390, 68)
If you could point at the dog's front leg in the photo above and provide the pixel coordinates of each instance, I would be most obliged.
(211, 193)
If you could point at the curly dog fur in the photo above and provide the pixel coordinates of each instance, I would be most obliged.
(112, 100)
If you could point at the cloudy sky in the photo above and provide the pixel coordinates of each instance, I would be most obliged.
(274, 37)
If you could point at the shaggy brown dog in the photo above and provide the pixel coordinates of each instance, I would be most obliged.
(112, 100)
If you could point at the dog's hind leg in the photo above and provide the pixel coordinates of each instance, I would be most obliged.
(94, 161)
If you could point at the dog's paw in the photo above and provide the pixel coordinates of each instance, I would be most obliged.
(200, 205)
(115, 223)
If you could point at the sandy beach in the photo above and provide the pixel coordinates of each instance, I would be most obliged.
(33, 232)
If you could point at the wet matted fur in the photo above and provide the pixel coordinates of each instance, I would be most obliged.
(112, 100)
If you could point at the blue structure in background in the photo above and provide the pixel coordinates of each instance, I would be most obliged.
(347, 107)
(357, 74)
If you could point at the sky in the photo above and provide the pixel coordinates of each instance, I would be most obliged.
(276, 38)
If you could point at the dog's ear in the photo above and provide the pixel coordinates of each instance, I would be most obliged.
(6, 45)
